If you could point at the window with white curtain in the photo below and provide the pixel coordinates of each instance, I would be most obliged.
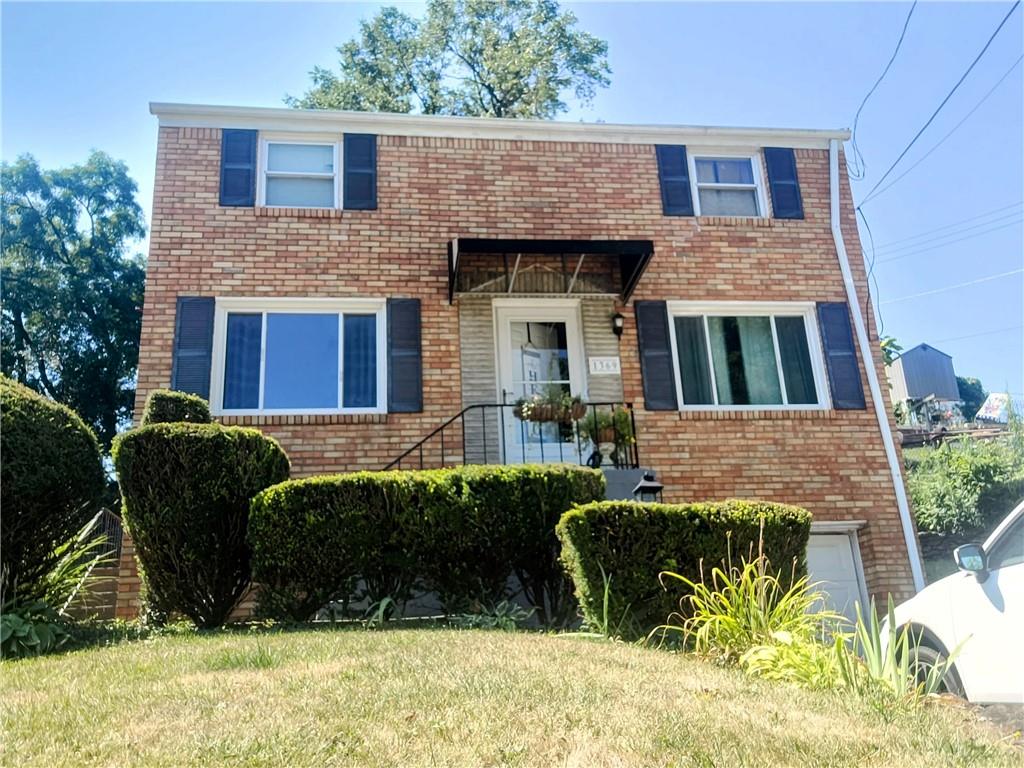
(726, 186)
(298, 356)
(300, 174)
(749, 356)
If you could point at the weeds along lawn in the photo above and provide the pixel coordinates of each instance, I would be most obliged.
(445, 697)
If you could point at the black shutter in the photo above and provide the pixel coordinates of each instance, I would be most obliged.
(840, 356)
(238, 168)
(674, 175)
(360, 159)
(655, 356)
(405, 360)
(783, 182)
(193, 345)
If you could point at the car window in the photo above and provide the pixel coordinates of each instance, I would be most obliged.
(1009, 550)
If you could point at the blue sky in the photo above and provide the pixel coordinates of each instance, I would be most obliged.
(80, 76)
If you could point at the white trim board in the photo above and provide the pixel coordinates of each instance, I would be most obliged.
(320, 120)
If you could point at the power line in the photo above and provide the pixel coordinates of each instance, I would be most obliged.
(951, 242)
(945, 100)
(954, 287)
(857, 157)
(952, 225)
(871, 278)
(945, 236)
(982, 333)
(954, 129)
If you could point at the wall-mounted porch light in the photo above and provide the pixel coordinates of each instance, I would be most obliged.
(618, 323)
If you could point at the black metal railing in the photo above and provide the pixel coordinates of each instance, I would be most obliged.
(603, 435)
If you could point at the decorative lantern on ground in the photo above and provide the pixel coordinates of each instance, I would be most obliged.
(648, 489)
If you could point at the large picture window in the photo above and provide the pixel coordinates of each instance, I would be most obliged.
(298, 356)
(747, 356)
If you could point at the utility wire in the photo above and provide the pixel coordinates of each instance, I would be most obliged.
(954, 287)
(920, 160)
(982, 333)
(950, 242)
(858, 159)
(885, 246)
(871, 278)
(947, 235)
(945, 100)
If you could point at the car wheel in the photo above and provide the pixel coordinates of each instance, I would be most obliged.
(929, 658)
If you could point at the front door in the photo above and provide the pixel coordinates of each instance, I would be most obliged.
(540, 352)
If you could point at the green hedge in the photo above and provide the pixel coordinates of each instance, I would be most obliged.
(625, 545)
(168, 405)
(51, 483)
(459, 533)
(186, 490)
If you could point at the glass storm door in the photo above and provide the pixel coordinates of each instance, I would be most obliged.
(540, 354)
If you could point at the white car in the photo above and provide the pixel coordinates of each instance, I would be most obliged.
(979, 609)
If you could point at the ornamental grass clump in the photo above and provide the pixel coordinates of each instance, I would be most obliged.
(742, 607)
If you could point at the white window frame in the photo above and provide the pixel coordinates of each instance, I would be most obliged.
(226, 305)
(263, 155)
(807, 310)
(755, 168)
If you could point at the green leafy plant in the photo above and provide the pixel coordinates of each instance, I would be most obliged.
(614, 425)
(965, 486)
(73, 573)
(168, 405)
(741, 607)
(186, 490)
(887, 657)
(51, 484)
(505, 616)
(30, 629)
(555, 404)
(615, 551)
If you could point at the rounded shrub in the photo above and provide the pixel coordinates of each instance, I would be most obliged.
(186, 490)
(51, 484)
(615, 550)
(168, 405)
(457, 533)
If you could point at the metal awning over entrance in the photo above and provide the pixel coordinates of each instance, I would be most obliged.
(490, 266)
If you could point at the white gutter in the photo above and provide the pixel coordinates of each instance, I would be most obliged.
(488, 128)
(867, 356)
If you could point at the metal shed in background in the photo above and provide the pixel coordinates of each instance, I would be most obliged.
(922, 372)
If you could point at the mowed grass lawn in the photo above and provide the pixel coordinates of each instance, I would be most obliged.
(443, 697)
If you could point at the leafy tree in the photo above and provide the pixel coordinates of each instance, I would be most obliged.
(465, 57)
(72, 296)
(890, 349)
(973, 394)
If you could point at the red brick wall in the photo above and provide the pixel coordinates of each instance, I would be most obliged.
(431, 190)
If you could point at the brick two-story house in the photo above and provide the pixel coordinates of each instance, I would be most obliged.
(351, 282)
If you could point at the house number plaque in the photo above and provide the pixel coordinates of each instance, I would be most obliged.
(604, 365)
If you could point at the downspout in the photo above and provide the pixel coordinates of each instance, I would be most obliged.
(866, 355)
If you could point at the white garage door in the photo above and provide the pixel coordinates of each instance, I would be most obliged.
(831, 561)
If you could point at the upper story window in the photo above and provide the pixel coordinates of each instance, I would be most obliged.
(727, 186)
(298, 356)
(736, 356)
(299, 174)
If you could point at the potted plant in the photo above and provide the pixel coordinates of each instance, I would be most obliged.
(610, 431)
(552, 405)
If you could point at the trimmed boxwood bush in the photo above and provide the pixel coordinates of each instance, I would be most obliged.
(51, 483)
(530, 500)
(168, 405)
(625, 545)
(186, 490)
(459, 533)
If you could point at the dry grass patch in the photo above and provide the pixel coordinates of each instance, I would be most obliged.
(445, 697)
